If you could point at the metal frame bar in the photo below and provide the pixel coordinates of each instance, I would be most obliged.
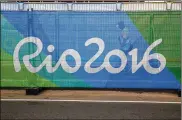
(88, 1)
(181, 45)
(118, 6)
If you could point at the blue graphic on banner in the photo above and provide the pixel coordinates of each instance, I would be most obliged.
(70, 30)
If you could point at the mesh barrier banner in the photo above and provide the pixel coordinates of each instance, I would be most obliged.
(92, 49)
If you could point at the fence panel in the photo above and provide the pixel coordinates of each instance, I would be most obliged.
(91, 45)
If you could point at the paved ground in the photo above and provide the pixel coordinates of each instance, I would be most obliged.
(168, 106)
(94, 95)
(89, 110)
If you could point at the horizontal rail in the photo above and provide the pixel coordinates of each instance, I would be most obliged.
(113, 6)
(89, 1)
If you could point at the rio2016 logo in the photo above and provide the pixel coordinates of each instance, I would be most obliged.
(71, 52)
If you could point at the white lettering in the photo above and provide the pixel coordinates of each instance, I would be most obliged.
(106, 64)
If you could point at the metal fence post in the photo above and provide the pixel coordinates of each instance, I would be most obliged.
(31, 83)
(32, 88)
(151, 27)
(179, 94)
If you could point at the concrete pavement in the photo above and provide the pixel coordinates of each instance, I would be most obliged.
(75, 104)
(89, 110)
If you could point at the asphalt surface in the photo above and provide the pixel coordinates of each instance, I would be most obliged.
(89, 110)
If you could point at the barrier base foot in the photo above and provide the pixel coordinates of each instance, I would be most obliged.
(179, 93)
(33, 91)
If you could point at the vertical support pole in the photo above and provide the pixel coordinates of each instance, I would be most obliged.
(179, 92)
(31, 83)
(57, 33)
(151, 28)
(32, 47)
(0, 42)
(32, 89)
(32, 31)
(28, 25)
